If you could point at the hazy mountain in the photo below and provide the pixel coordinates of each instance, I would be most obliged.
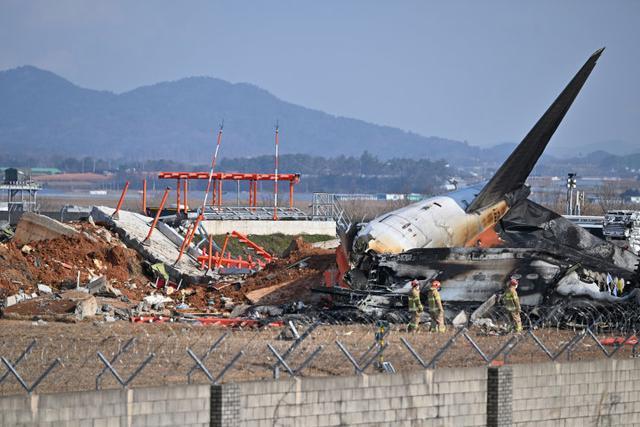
(44, 114)
(620, 148)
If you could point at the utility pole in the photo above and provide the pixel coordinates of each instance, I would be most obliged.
(571, 186)
(275, 188)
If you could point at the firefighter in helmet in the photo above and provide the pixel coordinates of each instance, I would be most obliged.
(512, 303)
(435, 307)
(415, 306)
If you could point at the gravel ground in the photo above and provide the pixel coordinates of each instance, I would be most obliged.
(76, 346)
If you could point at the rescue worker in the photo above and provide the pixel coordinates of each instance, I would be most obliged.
(620, 286)
(435, 307)
(415, 306)
(512, 303)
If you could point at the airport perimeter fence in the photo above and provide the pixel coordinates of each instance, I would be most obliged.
(179, 354)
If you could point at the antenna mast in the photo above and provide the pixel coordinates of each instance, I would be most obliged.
(275, 188)
(213, 165)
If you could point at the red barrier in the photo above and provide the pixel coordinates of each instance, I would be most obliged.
(619, 341)
(236, 322)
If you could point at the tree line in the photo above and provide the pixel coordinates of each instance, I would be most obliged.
(364, 173)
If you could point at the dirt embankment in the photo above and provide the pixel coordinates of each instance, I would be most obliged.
(57, 262)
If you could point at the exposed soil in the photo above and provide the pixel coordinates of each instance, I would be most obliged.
(57, 262)
(47, 306)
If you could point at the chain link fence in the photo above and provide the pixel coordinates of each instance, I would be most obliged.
(55, 358)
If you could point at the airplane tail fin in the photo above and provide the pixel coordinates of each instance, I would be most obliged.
(516, 169)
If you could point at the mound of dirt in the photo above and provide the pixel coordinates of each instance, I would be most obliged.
(57, 262)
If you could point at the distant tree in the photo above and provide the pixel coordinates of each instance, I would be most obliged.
(608, 197)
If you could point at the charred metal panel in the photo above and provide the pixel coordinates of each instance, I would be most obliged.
(474, 274)
(530, 225)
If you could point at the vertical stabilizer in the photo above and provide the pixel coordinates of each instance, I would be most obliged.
(516, 169)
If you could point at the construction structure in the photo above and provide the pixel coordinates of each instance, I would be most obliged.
(183, 178)
(21, 193)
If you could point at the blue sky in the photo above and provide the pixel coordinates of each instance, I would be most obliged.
(468, 70)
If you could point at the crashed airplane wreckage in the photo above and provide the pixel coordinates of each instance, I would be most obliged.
(474, 239)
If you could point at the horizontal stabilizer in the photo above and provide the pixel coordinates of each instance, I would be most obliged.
(516, 169)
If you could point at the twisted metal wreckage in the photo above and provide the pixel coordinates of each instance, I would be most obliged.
(474, 239)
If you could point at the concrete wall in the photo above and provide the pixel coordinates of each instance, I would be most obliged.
(440, 397)
(66, 216)
(290, 228)
(33, 227)
(596, 393)
(161, 406)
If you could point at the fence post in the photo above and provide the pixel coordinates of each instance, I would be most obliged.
(499, 396)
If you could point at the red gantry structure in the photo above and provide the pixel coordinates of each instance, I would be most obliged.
(219, 177)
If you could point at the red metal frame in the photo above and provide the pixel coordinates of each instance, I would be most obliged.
(219, 177)
(257, 248)
(209, 258)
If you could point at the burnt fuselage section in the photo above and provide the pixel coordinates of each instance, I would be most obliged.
(474, 274)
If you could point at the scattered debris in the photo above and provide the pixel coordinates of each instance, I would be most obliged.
(156, 299)
(5, 231)
(71, 306)
(487, 325)
(85, 304)
(460, 320)
(19, 297)
(100, 286)
(160, 270)
(484, 308)
(44, 289)
(258, 294)
(327, 244)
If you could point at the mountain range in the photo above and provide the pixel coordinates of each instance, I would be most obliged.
(42, 114)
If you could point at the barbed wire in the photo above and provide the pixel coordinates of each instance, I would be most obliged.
(160, 356)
